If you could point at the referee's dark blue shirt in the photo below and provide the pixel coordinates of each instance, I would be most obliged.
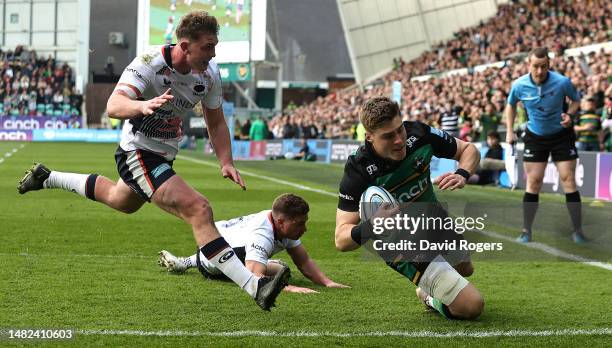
(543, 103)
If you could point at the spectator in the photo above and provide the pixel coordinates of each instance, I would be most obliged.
(258, 130)
(246, 129)
(606, 123)
(588, 127)
(492, 165)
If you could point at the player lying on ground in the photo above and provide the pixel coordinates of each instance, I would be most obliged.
(396, 156)
(257, 237)
(153, 94)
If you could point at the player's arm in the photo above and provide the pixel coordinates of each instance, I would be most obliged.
(510, 112)
(446, 146)
(566, 117)
(309, 268)
(219, 136)
(346, 221)
(574, 103)
(510, 115)
(468, 157)
(123, 103)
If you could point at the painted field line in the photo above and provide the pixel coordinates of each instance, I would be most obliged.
(263, 177)
(11, 153)
(404, 334)
(550, 250)
(95, 256)
(538, 246)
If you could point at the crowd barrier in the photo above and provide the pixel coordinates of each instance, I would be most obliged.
(593, 169)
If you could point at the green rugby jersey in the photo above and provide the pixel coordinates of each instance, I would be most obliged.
(407, 180)
(589, 136)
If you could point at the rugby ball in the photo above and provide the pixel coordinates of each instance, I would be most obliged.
(372, 199)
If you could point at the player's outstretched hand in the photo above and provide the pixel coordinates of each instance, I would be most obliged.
(149, 106)
(566, 120)
(450, 181)
(229, 171)
(336, 285)
(299, 290)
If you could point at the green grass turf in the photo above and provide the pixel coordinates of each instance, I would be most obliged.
(71, 263)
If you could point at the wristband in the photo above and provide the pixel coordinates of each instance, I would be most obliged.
(362, 232)
(464, 173)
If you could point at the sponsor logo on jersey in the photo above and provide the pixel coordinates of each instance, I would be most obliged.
(259, 247)
(165, 71)
(347, 197)
(135, 72)
(226, 256)
(199, 89)
(182, 103)
(413, 191)
(160, 169)
(410, 141)
(437, 132)
(166, 82)
(371, 169)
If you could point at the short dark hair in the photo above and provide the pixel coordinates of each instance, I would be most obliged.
(196, 23)
(290, 205)
(493, 134)
(539, 52)
(377, 111)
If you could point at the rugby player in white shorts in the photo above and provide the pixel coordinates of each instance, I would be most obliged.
(153, 93)
(257, 237)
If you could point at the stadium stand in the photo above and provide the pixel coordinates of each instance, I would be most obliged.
(476, 98)
(34, 86)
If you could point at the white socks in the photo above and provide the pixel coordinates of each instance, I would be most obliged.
(67, 181)
(224, 258)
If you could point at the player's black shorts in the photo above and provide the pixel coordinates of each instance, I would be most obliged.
(143, 171)
(561, 146)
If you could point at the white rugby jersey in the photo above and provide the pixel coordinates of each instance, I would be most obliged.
(251, 236)
(152, 74)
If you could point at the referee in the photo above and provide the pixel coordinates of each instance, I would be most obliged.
(549, 132)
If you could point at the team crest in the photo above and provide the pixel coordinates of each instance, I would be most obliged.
(419, 164)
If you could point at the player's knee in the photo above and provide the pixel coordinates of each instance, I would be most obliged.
(473, 308)
(128, 209)
(468, 305)
(534, 184)
(199, 207)
(567, 180)
(466, 269)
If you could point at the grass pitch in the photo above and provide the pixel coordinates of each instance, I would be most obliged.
(71, 263)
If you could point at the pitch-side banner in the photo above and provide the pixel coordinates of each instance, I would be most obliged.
(15, 135)
(586, 173)
(39, 122)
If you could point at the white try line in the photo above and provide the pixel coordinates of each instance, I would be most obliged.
(263, 177)
(404, 334)
(538, 246)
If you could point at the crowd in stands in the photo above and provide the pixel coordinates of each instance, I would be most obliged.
(471, 105)
(36, 86)
(518, 27)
